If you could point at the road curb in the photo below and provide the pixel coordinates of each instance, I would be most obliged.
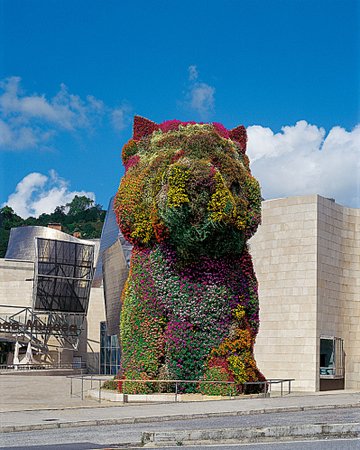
(232, 435)
(148, 419)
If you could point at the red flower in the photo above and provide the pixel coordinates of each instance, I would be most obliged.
(239, 135)
(221, 130)
(143, 127)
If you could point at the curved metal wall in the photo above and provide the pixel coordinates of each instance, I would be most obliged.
(115, 272)
(21, 245)
(109, 235)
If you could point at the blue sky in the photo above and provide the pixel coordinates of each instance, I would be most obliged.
(73, 73)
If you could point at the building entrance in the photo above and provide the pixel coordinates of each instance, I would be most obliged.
(331, 363)
(109, 352)
(6, 352)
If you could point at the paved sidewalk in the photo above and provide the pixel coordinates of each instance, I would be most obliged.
(130, 413)
(21, 392)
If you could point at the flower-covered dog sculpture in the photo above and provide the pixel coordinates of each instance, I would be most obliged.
(188, 203)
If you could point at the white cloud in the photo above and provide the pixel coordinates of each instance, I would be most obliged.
(302, 159)
(202, 99)
(36, 194)
(120, 117)
(15, 136)
(30, 121)
(200, 96)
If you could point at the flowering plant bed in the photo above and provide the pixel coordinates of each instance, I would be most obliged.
(115, 396)
(188, 203)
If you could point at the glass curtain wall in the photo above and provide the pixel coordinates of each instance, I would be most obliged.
(109, 352)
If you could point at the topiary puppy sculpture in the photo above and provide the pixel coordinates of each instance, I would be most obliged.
(188, 204)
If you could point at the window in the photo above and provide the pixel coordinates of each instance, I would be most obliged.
(109, 352)
(331, 357)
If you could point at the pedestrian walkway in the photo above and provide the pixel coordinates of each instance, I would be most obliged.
(21, 392)
(44, 402)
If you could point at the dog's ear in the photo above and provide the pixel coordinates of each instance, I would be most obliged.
(143, 127)
(239, 135)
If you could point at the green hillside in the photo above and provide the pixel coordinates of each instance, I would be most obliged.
(79, 215)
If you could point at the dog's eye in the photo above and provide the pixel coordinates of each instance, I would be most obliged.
(235, 188)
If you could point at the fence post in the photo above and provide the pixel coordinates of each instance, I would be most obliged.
(71, 390)
(99, 390)
(176, 391)
(82, 388)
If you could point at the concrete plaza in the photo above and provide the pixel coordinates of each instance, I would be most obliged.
(29, 402)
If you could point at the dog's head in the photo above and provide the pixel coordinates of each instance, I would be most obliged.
(190, 185)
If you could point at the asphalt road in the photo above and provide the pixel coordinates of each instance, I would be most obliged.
(328, 444)
(336, 444)
(113, 435)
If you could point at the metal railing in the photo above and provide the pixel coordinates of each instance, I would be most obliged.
(45, 366)
(93, 379)
(281, 381)
(265, 386)
(24, 324)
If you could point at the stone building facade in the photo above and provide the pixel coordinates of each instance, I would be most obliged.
(306, 255)
(16, 295)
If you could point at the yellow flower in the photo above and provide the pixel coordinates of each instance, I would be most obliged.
(221, 205)
(239, 312)
(238, 369)
(178, 178)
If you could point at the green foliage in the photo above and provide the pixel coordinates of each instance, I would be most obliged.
(137, 387)
(217, 374)
(188, 203)
(189, 186)
(81, 216)
(142, 327)
(79, 204)
(8, 220)
(110, 384)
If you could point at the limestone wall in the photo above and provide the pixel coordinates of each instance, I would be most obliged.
(285, 261)
(307, 260)
(89, 345)
(339, 281)
(14, 289)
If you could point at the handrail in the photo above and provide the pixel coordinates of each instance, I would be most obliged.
(101, 378)
(43, 366)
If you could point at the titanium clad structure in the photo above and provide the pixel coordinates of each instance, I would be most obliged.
(63, 276)
(115, 272)
(63, 271)
(21, 245)
(109, 235)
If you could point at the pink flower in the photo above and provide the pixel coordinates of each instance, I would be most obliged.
(132, 161)
(221, 130)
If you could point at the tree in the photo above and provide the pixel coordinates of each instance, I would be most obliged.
(8, 218)
(7, 212)
(82, 214)
(79, 204)
(58, 216)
